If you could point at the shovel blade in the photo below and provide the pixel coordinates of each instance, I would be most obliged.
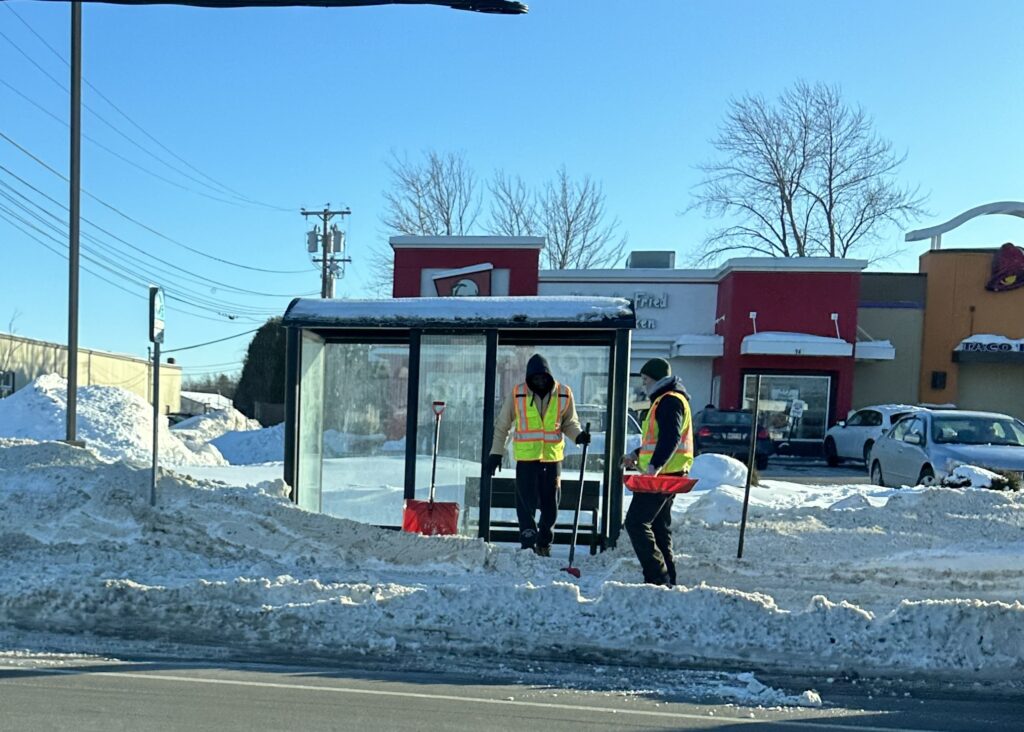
(574, 571)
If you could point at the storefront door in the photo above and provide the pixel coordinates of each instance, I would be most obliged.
(793, 407)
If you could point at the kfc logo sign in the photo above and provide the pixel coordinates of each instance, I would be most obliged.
(472, 281)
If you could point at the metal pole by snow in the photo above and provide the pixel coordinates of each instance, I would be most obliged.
(751, 460)
(156, 337)
(156, 423)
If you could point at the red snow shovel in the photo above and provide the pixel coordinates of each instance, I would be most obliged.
(659, 483)
(575, 571)
(431, 517)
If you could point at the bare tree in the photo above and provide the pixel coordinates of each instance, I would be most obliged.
(11, 347)
(573, 217)
(435, 197)
(803, 176)
(513, 207)
(8, 350)
(852, 183)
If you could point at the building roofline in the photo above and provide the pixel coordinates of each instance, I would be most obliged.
(466, 242)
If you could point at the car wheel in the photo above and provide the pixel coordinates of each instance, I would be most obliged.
(761, 462)
(927, 476)
(867, 451)
(876, 474)
(831, 456)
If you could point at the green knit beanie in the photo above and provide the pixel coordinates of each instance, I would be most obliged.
(657, 369)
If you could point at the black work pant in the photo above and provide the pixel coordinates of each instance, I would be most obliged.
(538, 485)
(649, 525)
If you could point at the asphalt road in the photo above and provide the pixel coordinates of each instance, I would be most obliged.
(813, 471)
(87, 694)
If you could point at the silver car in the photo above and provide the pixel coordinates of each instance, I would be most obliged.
(924, 447)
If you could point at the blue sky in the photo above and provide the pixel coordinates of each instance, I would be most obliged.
(298, 107)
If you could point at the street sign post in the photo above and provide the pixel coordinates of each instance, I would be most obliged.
(156, 337)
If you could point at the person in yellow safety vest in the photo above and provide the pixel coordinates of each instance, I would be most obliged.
(666, 449)
(537, 413)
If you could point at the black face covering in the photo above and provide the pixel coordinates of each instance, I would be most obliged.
(540, 383)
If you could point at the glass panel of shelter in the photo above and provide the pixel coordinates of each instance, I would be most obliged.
(364, 407)
(352, 415)
(584, 368)
(311, 406)
(452, 370)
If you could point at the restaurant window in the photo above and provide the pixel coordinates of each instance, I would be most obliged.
(792, 407)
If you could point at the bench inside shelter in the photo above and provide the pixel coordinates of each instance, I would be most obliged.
(503, 496)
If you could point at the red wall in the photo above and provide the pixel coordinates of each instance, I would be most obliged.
(798, 302)
(523, 265)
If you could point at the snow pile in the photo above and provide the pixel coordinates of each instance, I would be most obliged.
(210, 426)
(928, 582)
(115, 423)
(252, 446)
(970, 476)
(710, 471)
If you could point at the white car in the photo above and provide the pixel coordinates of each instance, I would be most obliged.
(853, 438)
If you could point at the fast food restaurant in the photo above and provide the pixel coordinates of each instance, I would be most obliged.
(825, 336)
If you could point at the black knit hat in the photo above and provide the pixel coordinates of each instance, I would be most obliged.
(657, 369)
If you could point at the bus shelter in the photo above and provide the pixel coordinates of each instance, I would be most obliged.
(362, 375)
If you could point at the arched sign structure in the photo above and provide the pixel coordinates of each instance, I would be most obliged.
(1008, 208)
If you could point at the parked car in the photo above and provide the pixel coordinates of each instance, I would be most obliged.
(927, 445)
(727, 432)
(852, 438)
(595, 455)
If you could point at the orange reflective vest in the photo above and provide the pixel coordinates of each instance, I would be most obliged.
(536, 437)
(682, 458)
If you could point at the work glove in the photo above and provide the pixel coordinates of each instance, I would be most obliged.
(492, 463)
(583, 438)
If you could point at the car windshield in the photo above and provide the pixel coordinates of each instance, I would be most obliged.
(897, 416)
(978, 430)
(728, 418)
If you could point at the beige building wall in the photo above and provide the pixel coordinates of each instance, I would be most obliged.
(896, 381)
(29, 358)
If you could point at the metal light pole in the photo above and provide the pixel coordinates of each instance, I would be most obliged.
(74, 194)
(501, 7)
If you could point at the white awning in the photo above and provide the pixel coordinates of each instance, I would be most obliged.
(693, 345)
(874, 351)
(777, 343)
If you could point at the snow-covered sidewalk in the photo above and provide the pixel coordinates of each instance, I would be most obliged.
(926, 581)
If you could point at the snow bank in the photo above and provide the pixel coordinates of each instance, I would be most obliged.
(252, 446)
(210, 426)
(711, 471)
(970, 476)
(115, 423)
(241, 568)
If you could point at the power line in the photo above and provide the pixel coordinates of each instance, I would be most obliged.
(116, 154)
(132, 280)
(210, 343)
(138, 223)
(225, 188)
(185, 272)
(147, 274)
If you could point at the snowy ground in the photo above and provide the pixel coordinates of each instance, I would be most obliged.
(834, 579)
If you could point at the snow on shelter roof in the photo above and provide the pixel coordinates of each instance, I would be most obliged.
(463, 312)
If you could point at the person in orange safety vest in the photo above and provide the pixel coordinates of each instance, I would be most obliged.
(537, 413)
(666, 449)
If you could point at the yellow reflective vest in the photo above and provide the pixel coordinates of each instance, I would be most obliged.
(536, 437)
(682, 458)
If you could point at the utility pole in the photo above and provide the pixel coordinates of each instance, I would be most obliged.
(329, 247)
